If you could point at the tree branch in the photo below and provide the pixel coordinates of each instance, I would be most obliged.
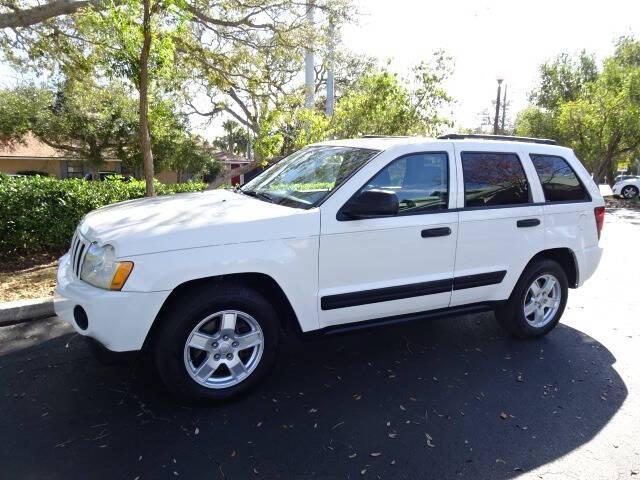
(55, 8)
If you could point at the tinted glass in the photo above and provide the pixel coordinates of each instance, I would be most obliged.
(307, 176)
(559, 181)
(420, 181)
(493, 179)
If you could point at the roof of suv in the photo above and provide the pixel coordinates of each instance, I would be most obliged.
(385, 143)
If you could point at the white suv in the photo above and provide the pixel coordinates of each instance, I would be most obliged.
(340, 235)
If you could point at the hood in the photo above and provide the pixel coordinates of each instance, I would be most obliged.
(192, 220)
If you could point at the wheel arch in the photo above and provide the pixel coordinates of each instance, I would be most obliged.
(260, 282)
(567, 260)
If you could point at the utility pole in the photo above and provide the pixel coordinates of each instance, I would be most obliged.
(497, 117)
(309, 80)
(330, 67)
(504, 108)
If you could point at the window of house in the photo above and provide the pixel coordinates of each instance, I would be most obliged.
(494, 179)
(74, 170)
(559, 182)
(421, 182)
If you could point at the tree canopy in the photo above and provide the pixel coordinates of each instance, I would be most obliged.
(595, 111)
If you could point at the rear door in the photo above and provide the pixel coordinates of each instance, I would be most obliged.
(501, 221)
(380, 267)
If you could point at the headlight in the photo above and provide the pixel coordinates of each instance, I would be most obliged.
(100, 269)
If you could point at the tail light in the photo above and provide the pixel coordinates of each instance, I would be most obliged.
(599, 214)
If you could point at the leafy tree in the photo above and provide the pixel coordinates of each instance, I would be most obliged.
(563, 79)
(235, 138)
(383, 104)
(152, 44)
(598, 116)
(18, 107)
(94, 123)
(82, 119)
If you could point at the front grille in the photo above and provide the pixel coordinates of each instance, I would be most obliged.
(77, 252)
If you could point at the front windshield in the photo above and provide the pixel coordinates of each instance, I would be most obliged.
(307, 176)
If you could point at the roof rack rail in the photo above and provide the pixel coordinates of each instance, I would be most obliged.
(385, 136)
(461, 136)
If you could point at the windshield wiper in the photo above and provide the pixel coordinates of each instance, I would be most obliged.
(256, 194)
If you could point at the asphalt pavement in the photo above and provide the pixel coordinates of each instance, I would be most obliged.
(451, 398)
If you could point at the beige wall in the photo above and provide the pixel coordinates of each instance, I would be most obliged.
(167, 176)
(52, 167)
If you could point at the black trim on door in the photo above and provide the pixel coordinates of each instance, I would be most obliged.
(478, 280)
(386, 294)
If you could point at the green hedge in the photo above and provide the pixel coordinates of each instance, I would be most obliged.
(40, 213)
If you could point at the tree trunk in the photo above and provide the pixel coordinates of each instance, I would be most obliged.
(604, 170)
(145, 138)
(226, 177)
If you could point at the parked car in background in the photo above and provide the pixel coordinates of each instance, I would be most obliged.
(339, 236)
(628, 187)
(620, 178)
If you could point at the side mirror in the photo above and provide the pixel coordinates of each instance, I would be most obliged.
(370, 204)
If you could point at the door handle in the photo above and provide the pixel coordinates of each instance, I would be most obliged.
(436, 232)
(529, 222)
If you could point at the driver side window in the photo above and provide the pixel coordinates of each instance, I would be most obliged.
(420, 180)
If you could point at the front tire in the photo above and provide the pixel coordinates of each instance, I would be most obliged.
(537, 301)
(216, 343)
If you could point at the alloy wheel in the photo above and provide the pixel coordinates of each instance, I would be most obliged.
(223, 349)
(542, 301)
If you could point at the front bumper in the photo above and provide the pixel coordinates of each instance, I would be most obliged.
(118, 320)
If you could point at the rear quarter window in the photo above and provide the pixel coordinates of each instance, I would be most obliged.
(559, 181)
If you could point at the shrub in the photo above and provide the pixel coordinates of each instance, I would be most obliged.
(40, 213)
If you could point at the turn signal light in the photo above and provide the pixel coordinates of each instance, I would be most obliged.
(120, 277)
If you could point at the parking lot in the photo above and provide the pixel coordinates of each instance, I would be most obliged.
(452, 398)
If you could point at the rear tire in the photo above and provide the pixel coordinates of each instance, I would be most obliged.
(537, 301)
(629, 192)
(216, 343)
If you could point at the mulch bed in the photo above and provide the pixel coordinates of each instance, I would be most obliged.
(614, 202)
(18, 262)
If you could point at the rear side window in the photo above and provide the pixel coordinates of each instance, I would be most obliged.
(419, 180)
(559, 182)
(493, 179)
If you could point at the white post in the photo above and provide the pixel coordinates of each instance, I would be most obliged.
(309, 80)
(330, 66)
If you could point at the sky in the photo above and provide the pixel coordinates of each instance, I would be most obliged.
(489, 39)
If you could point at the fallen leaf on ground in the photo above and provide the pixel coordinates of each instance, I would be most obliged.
(429, 440)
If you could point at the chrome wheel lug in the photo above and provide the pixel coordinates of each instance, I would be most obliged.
(229, 356)
(225, 338)
(216, 356)
(215, 344)
(235, 344)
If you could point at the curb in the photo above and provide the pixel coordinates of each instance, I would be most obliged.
(26, 310)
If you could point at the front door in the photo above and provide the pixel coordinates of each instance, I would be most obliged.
(380, 267)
